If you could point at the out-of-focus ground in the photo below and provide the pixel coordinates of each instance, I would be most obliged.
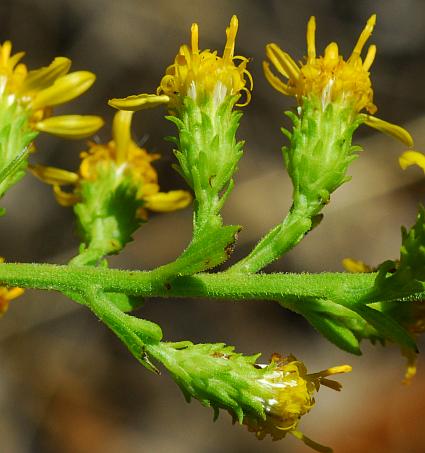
(67, 385)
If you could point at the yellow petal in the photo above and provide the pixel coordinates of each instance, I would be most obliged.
(121, 134)
(364, 36)
(409, 158)
(388, 128)
(139, 102)
(14, 293)
(274, 81)
(5, 50)
(167, 201)
(71, 126)
(194, 38)
(4, 305)
(147, 189)
(311, 39)
(282, 61)
(355, 266)
(231, 32)
(64, 89)
(411, 367)
(53, 175)
(13, 61)
(370, 57)
(65, 199)
(39, 79)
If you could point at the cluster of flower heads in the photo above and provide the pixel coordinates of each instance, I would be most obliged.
(201, 75)
(38, 91)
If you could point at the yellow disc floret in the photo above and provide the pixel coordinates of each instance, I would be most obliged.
(197, 73)
(292, 391)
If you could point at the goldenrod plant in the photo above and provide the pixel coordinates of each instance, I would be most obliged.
(116, 185)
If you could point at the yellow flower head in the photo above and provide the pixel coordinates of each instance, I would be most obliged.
(8, 294)
(293, 396)
(39, 90)
(331, 78)
(127, 159)
(197, 74)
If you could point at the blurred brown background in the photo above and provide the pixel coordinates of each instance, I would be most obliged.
(66, 383)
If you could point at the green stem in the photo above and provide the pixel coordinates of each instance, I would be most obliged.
(334, 286)
(277, 242)
(135, 333)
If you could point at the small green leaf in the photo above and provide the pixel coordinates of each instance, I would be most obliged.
(209, 248)
(386, 326)
(335, 332)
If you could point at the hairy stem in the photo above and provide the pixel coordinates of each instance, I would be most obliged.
(334, 286)
(277, 242)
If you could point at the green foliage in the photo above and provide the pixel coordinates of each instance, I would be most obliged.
(403, 279)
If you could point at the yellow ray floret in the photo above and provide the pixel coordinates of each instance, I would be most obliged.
(198, 73)
(331, 78)
(411, 157)
(7, 294)
(355, 266)
(39, 90)
(125, 157)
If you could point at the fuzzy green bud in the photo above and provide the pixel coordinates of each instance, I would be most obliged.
(320, 150)
(269, 399)
(208, 151)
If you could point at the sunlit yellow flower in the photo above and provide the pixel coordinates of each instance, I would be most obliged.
(126, 158)
(198, 74)
(7, 295)
(331, 78)
(355, 266)
(293, 396)
(37, 91)
(409, 158)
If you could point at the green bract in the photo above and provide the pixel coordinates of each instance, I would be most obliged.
(107, 213)
(15, 138)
